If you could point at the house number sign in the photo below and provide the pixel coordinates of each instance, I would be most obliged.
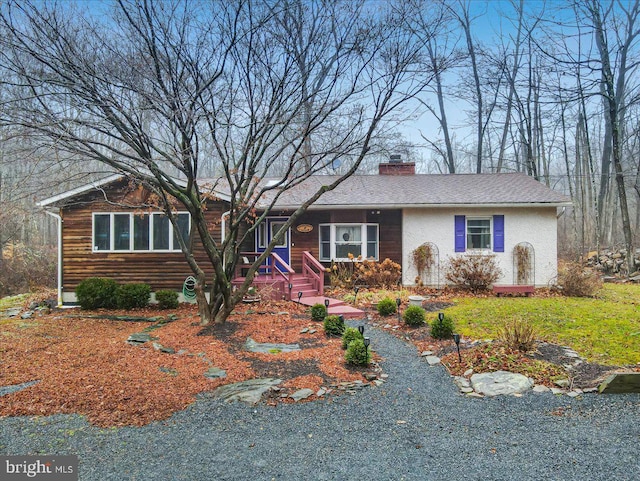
(304, 228)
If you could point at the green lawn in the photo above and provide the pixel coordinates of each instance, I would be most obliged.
(605, 329)
(12, 301)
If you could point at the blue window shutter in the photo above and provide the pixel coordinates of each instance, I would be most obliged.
(498, 233)
(460, 233)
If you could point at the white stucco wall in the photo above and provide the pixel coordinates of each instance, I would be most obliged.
(536, 225)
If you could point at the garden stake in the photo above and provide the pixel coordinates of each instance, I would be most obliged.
(456, 339)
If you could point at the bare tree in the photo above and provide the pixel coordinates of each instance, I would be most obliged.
(462, 12)
(511, 82)
(145, 87)
(612, 98)
(432, 30)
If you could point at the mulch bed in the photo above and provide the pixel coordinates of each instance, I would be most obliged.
(84, 364)
(493, 356)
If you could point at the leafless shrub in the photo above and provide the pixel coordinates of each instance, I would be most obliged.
(474, 272)
(578, 281)
(24, 269)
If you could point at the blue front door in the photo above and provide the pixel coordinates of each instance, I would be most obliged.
(271, 229)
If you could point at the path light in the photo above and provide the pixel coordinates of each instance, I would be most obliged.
(355, 290)
(299, 296)
(326, 304)
(441, 316)
(456, 339)
(361, 329)
(398, 302)
(367, 341)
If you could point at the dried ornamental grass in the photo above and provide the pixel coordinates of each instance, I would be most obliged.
(518, 335)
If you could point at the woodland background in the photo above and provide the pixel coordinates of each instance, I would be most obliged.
(546, 88)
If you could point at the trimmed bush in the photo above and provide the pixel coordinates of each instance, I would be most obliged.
(442, 329)
(134, 295)
(167, 299)
(387, 306)
(357, 353)
(350, 334)
(333, 325)
(414, 316)
(318, 312)
(97, 292)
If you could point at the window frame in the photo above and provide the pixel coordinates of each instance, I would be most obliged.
(334, 242)
(173, 246)
(467, 234)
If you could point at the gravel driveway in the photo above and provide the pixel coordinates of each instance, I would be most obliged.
(415, 427)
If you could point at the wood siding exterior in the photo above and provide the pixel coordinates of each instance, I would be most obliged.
(390, 232)
(168, 270)
(161, 270)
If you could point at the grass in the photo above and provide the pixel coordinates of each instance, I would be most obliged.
(12, 301)
(605, 329)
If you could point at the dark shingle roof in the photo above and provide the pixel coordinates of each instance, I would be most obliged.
(394, 191)
(425, 190)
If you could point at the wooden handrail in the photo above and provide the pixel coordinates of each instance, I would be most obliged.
(287, 267)
(276, 259)
(313, 261)
(312, 268)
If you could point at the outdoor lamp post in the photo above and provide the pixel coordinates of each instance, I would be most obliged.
(299, 296)
(361, 329)
(290, 289)
(456, 339)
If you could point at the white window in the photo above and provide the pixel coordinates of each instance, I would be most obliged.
(138, 232)
(478, 233)
(337, 241)
(262, 235)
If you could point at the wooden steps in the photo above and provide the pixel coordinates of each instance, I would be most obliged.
(526, 289)
(336, 307)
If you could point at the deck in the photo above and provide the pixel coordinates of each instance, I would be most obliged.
(502, 289)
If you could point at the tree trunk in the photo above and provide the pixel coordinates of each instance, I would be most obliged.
(612, 108)
(512, 87)
(451, 166)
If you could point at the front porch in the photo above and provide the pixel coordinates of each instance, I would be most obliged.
(278, 280)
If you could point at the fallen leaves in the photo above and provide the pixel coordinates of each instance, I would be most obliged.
(85, 365)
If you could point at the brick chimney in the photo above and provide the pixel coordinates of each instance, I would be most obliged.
(395, 166)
